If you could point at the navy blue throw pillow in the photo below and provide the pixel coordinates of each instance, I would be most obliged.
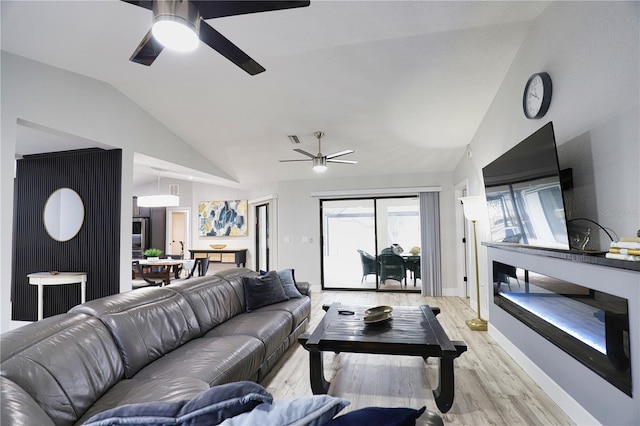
(263, 290)
(210, 407)
(378, 416)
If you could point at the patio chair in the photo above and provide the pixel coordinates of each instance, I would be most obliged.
(368, 264)
(392, 267)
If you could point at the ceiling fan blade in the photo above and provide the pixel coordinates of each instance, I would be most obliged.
(338, 154)
(147, 4)
(222, 45)
(342, 161)
(303, 152)
(147, 51)
(289, 161)
(218, 9)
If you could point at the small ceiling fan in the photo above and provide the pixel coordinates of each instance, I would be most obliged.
(181, 25)
(320, 161)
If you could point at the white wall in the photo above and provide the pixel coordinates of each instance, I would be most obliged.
(299, 216)
(81, 106)
(590, 49)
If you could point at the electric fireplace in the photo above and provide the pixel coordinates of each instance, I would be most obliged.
(592, 326)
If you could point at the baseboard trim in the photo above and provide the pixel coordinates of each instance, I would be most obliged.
(565, 401)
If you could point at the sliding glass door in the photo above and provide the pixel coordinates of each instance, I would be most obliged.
(348, 226)
(356, 231)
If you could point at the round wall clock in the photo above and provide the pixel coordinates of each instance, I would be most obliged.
(537, 95)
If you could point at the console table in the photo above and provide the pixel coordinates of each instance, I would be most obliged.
(58, 278)
(237, 256)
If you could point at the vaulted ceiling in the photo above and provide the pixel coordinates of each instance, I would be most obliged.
(404, 84)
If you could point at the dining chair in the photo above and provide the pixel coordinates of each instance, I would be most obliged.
(202, 265)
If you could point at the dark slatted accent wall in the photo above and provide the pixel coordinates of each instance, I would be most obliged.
(95, 175)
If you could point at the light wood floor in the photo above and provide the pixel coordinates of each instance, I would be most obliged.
(491, 389)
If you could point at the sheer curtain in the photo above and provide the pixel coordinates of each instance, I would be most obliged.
(431, 271)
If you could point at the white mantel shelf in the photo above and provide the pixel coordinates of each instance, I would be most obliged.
(572, 255)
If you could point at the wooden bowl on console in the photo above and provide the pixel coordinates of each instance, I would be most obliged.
(217, 246)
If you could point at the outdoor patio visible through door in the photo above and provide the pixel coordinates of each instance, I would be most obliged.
(356, 231)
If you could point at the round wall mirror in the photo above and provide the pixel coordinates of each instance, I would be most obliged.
(63, 214)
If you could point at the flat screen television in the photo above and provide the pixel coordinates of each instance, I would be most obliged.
(524, 194)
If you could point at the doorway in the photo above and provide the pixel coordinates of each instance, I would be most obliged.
(463, 278)
(262, 237)
(178, 232)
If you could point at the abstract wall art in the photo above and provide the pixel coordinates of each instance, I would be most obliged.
(223, 218)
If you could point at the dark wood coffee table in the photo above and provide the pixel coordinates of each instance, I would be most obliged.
(413, 330)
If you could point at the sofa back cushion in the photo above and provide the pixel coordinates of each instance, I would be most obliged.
(65, 363)
(234, 277)
(212, 299)
(145, 323)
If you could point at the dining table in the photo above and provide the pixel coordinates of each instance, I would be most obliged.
(161, 268)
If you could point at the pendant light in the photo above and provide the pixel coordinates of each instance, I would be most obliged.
(159, 200)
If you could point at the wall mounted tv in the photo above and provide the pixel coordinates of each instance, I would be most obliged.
(524, 195)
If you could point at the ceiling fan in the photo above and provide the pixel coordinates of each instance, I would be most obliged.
(320, 161)
(186, 21)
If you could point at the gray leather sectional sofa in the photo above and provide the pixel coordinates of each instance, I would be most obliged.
(151, 344)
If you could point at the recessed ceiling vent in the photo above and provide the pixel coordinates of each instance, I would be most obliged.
(294, 139)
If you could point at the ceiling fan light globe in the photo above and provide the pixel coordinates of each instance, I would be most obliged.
(175, 33)
(319, 164)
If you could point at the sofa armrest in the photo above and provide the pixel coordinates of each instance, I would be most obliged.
(304, 287)
(19, 408)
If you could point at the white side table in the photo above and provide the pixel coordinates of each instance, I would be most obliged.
(47, 278)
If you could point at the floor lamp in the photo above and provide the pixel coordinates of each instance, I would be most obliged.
(473, 208)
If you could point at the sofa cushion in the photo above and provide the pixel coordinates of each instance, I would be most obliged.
(263, 290)
(212, 299)
(144, 391)
(215, 360)
(312, 410)
(145, 324)
(300, 309)
(270, 327)
(288, 280)
(64, 363)
(210, 407)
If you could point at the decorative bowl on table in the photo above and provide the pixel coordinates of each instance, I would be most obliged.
(377, 318)
(217, 246)
(377, 314)
(378, 310)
